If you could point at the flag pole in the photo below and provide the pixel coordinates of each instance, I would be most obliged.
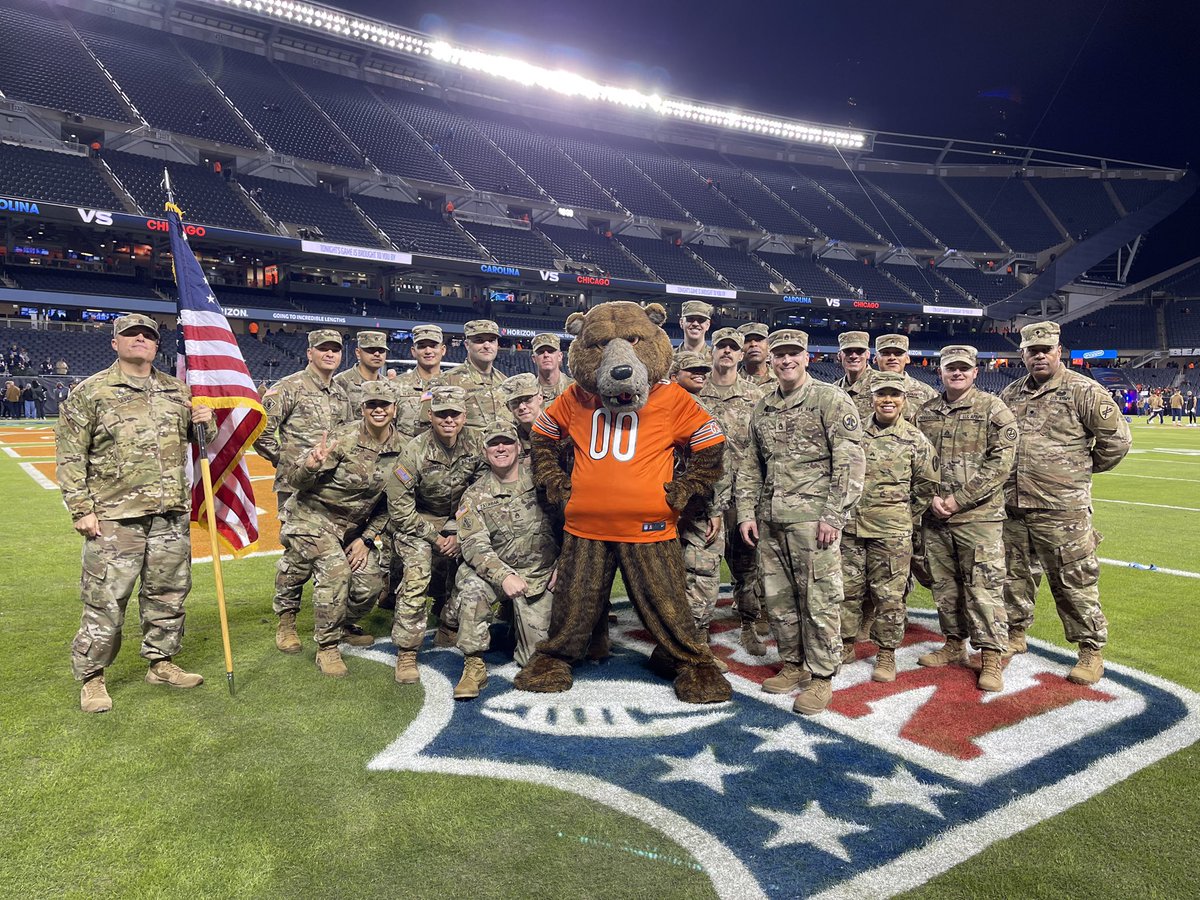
(210, 508)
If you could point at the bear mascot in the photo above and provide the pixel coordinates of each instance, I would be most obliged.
(619, 498)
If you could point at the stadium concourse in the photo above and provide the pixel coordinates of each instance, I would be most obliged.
(342, 172)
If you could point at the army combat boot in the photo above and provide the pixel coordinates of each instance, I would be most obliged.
(163, 671)
(990, 676)
(815, 697)
(762, 624)
(953, 651)
(94, 696)
(790, 677)
(286, 638)
(355, 636)
(864, 628)
(885, 666)
(474, 678)
(1090, 667)
(721, 665)
(847, 650)
(1016, 642)
(330, 662)
(406, 667)
(750, 640)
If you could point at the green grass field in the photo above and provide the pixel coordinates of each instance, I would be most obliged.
(195, 794)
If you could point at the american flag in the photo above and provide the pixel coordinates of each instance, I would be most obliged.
(211, 363)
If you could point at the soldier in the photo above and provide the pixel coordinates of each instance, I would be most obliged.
(524, 399)
(428, 350)
(695, 322)
(547, 358)
(1070, 429)
(755, 365)
(801, 475)
(975, 437)
(891, 355)
(423, 492)
(371, 352)
(300, 408)
(509, 544)
(336, 520)
(731, 399)
(901, 477)
(478, 376)
(854, 356)
(122, 446)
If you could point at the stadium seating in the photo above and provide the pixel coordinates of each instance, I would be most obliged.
(670, 263)
(929, 203)
(305, 206)
(684, 186)
(925, 284)
(203, 195)
(1012, 212)
(56, 177)
(1183, 323)
(869, 280)
(745, 193)
(516, 246)
(801, 195)
(865, 202)
(1118, 326)
(1081, 204)
(983, 287)
(741, 269)
(406, 223)
(799, 268)
(1136, 193)
(72, 281)
(582, 245)
(85, 351)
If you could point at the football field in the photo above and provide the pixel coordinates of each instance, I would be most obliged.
(304, 785)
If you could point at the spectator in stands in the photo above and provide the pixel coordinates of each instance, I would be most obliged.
(47, 367)
(1177, 408)
(1156, 408)
(61, 367)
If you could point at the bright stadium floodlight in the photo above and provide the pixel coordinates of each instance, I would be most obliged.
(366, 31)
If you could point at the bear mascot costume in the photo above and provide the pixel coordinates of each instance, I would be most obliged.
(619, 499)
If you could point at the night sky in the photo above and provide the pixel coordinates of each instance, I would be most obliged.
(1111, 79)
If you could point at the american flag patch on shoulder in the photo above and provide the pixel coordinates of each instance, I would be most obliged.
(403, 474)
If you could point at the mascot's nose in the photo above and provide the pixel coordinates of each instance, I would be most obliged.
(622, 373)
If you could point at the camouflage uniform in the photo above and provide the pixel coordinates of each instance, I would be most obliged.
(122, 447)
(901, 477)
(485, 403)
(860, 392)
(333, 506)
(803, 465)
(504, 529)
(351, 382)
(550, 392)
(412, 402)
(976, 439)
(1070, 429)
(423, 493)
(757, 330)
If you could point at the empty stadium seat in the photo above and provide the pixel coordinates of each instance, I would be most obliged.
(202, 194)
(927, 201)
(308, 206)
(55, 177)
(1010, 209)
(669, 263)
(514, 246)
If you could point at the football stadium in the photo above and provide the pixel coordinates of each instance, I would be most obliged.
(266, 191)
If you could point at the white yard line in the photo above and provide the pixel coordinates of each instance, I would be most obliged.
(37, 476)
(226, 557)
(1151, 477)
(1153, 505)
(1144, 567)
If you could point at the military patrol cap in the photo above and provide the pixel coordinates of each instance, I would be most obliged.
(368, 340)
(697, 308)
(754, 329)
(480, 327)
(498, 429)
(428, 333)
(519, 387)
(959, 353)
(690, 360)
(787, 337)
(546, 339)
(134, 320)
(1040, 334)
(324, 336)
(728, 334)
(377, 390)
(891, 342)
(848, 340)
(881, 380)
(448, 397)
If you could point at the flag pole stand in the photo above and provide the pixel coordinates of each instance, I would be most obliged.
(210, 510)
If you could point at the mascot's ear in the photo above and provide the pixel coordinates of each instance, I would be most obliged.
(656, 312)
(575, 323)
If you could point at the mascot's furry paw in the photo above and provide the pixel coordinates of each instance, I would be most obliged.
(663, 664)
(702, 684)
(558, 491)
(679, 493)
(544, 675)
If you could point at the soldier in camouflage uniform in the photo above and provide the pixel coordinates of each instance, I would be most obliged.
(509, 544)
(695, 322)
(523, 398)
(547, 358)
(801, 475)
(423, 493)
(902, 475)
(756, 365)
(122, 449)
(371, 352)
(479, 377)
(731, 399)
(412, 411)
(1070, 429)
(975, 436)
(300, 408)
(854, 356)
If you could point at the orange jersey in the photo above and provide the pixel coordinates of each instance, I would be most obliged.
(623, 460)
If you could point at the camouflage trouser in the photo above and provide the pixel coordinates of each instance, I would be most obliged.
(920, 566)
(802, 589)
(157, 549)
(476, 602)
(967, 564)
(287, 598)
(427, 574)
(875, 569)
(1065, 545)
(743, 569)
(339, 595)
(702, 563)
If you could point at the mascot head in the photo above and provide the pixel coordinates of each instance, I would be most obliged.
(620, 351)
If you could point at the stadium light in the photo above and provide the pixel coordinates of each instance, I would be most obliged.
(369, 32)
